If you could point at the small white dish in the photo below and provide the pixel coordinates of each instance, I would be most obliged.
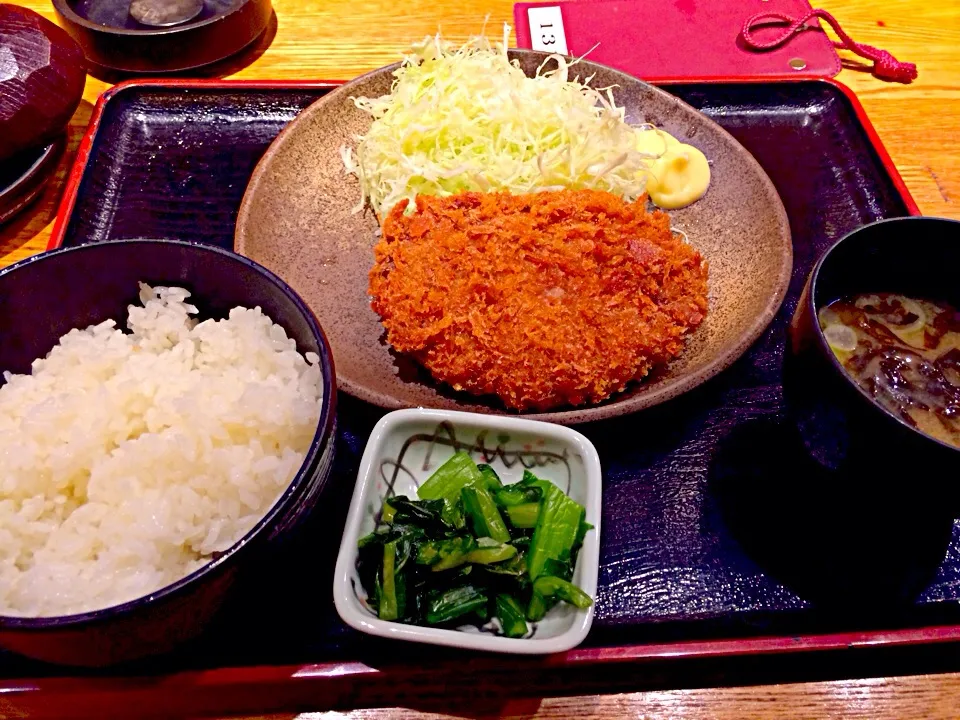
(406, 447)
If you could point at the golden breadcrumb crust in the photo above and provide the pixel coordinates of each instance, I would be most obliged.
(545, 299)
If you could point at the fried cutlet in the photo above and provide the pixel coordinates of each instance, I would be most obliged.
(544, 299)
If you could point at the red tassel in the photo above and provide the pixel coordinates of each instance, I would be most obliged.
(885, 65)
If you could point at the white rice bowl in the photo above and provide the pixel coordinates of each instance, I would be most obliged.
(130, 459)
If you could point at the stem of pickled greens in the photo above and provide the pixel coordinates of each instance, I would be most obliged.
(557, 528)
(490, 476)
(490, 551)
(585, 527)
(529, 480)
(450, 478)
(537, 607)
(523, 516)
(515, 567)
(390, 602)
(456, 602)
(557, 568)
(427, 515)
(448, 481)
(445, 554)
(517, 495)
(547, 586)
(387, 512)
(511, 616)
(482, 512)
(547, 590)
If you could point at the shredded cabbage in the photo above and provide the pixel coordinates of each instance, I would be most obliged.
(461, 119)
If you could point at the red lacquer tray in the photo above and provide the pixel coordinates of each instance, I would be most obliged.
(172, 158)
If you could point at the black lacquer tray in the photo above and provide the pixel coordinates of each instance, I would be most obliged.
(714, 540)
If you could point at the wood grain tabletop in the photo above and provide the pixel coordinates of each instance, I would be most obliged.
(918, 123)
(928, 697)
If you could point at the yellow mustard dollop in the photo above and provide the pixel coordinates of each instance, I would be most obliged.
(679, 175)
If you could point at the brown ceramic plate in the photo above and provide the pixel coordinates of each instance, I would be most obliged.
(297, 219)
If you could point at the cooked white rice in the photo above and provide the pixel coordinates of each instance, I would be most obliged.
(128, 459)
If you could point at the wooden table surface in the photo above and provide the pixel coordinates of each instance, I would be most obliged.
(920, 126)
(936, 696)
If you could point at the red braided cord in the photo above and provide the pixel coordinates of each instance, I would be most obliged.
(885, 65)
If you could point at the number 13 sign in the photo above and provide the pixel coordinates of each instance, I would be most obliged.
(546, 29)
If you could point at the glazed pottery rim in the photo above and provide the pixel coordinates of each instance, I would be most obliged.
(322, 437)
(615, 405)
(64, 9)
(824, 347)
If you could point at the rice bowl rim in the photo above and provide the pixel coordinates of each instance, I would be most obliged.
(323, 432)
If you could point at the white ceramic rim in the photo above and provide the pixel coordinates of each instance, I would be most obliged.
(589, 554)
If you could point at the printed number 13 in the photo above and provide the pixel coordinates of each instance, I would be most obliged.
(543, 37)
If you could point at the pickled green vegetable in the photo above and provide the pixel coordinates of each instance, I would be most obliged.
(516, 495)
(489, 551)
(445, 554)
(511, 617)
(482, 514)
(469, 549)
(557, 529)
(490, 477)
(523, 516)
(446, 484)
(456, 602)
(553, 587)
(390, 606)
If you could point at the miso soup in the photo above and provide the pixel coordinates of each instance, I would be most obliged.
(905, 352)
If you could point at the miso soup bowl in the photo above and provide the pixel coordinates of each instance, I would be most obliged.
(842, 427)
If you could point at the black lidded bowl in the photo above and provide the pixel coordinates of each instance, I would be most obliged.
(843, 428)
(24, 176)
(45, 296)
(112, 39)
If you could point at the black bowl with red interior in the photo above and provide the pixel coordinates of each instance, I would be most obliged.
(870, 414)
(47, 295)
